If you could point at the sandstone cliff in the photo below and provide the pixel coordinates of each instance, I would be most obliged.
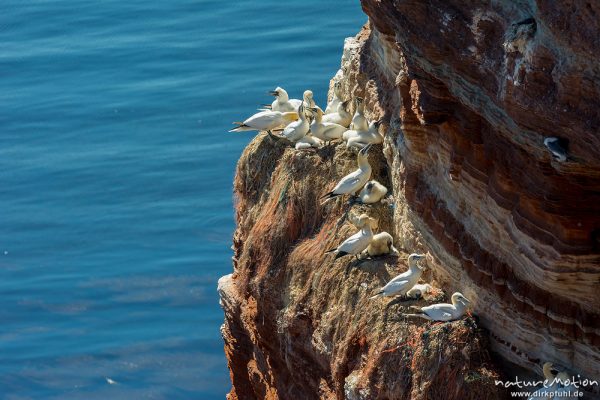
(467, 92)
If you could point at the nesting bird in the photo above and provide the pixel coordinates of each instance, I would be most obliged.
(265, 121)
(372, 192)
(353, 182)
(336, 100)
(341, 116)
(359, 122)
(382, 243)
(282, 101)
(558, 149)
(361, 138)
(443, 311)
(358, 242)
(297, 129)
(419, 290)
(308, 142)
(326, 131)
(406, 280)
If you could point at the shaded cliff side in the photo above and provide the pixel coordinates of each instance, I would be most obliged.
(467, 92)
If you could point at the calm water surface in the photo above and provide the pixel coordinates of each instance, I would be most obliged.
(115, 181)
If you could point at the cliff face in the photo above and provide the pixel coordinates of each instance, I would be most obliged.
(467, 92)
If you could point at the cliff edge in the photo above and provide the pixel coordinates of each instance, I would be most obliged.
(467, 92)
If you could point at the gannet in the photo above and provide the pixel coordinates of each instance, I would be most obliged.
(353, 182)
(372, 192)
(309, 102)
(382, 243)
(406, 280)
(326, 131)
(359, 122)
(356, 243)
(443, 311)
(308, 142)
(419, 290)
(550, 382)
(556, 148)
(336, 100)
(297, 129)
(341, 117)
(282, 101)
(361, 138)
(265, 121)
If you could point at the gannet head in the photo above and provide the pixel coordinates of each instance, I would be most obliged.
(337, 88)
(549, 371)
(458, 298)
(369, 186)
(316, 111)
(549, 140)
(413, 258)
(280, 93)
(308, 95)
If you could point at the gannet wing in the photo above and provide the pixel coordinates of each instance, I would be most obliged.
(347, 183)
(440, 312)
(395, 286)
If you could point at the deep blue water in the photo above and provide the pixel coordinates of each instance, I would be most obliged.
(115, 181)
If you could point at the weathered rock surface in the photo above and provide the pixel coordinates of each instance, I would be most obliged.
(467, 92)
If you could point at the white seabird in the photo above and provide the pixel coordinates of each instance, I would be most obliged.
(297, 129)
(308, 142)
(556, 148)
(372, 192)
(283, 102)
(326, 131)
(443, 311)
(361, 138)
(419, 290)
(336, 100)
(406, 280)
(265, 121)
(341, 117)
(382, 243)
(353, 182)
(359, 122)
(356, 243)
(550, 382)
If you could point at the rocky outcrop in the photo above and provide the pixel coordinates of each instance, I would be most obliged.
(467, 92)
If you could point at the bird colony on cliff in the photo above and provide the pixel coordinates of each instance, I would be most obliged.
(305, 126)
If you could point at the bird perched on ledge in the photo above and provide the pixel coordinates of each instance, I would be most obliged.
(443, 311)
(336, 100)
(406, 280)
(353, 182)
(356, 243)
(372, 192)
(265, 121)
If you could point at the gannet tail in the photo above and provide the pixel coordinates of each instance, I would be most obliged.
(340, 254)
(378, 294)
(267, 106)
(417, 316)
(241, 127)
(328, 196)
(331, 250)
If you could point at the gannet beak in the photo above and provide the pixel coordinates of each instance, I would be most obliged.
(313, 109)
(366, 149)
(467, 300)
(273, 93)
